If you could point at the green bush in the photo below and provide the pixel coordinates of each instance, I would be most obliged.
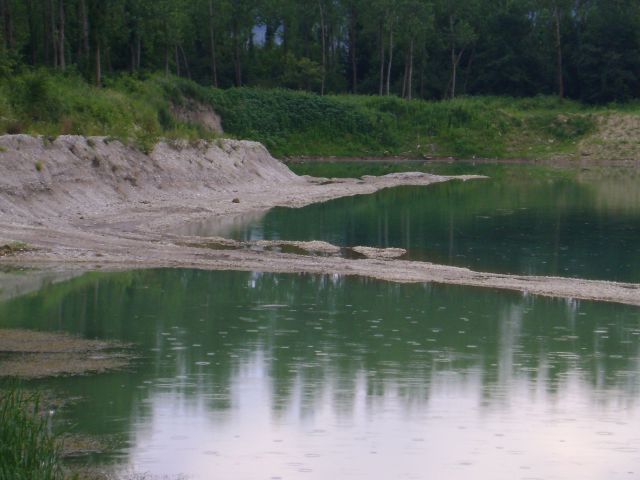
(281, 118)
(33, 96)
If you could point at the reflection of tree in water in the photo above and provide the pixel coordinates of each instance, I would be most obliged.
(515, 225)
(319, 338)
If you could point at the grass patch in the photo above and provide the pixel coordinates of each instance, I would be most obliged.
(13, 248)
(132, 110)
(27, 450)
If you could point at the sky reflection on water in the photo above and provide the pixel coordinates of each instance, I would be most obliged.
(247, 375)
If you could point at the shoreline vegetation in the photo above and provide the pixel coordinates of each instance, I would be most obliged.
(28, 450)
(142, 110)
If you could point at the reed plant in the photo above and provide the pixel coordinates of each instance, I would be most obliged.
(28, 451)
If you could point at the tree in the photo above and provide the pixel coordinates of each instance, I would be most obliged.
(415, 19)
(610, 54)
(352, 11)
(506, 54)
(456, 20)
(586, 49)
(6, 11)
(556, 11)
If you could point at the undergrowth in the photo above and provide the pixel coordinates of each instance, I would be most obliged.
(138, 109)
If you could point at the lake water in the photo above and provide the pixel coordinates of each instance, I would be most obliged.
(264, 376)
(549, 223)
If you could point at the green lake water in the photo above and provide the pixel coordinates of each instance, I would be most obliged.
(585, 226)
(245, 375)
(264, 376)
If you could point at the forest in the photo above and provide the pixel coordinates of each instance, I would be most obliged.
(588, 50)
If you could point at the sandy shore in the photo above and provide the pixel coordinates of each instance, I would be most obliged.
(88, 203)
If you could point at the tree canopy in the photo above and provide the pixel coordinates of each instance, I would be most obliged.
(582, 49)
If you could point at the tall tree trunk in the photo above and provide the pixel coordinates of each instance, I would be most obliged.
(9, 40)
(32, 32)
(331, 51)
(410, 72)
(236, 54)
(186, 62)
(455, 61)
(132, 56)
(323, 41)
(166, 60)
(107, 58)
(212, 41)
(389, 65)
(4, 23)
(556, 16)
(454, 72)
(467, 75)
(422, 62)
(98, 65)
(53, 33)
(353, 19)
(381, 73)
(84, 29)
(138, 52)
(285, 36)
(177, 59)
(46, 36)
(61, 39)
(580, 24)
(404, 77)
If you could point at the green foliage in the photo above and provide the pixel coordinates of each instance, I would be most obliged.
(451, 47)
(140, 110)
(291, 122)
(129, 109)
(301, 73)
(9, 60)
(27, 450)
(34, 96)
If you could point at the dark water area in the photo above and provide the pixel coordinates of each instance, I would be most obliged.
(249, 376)
(584, 226)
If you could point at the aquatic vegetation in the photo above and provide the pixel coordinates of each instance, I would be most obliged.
(28, 450)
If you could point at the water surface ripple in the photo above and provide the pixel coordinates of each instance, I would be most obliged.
(248, 375)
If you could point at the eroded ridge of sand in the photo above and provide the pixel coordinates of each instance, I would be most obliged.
(123, 211)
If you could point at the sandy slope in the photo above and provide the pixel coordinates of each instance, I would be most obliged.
(101, 204)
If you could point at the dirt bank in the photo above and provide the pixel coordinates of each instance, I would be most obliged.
(32, 354)
(101, 204)
(614, 142)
